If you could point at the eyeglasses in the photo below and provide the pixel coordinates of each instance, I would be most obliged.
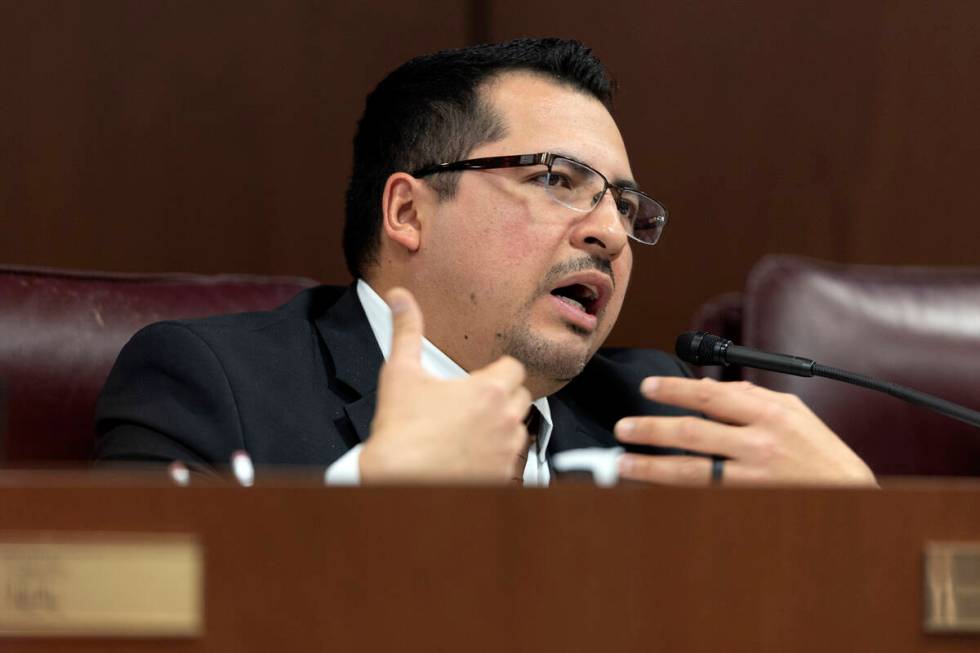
(576, 186)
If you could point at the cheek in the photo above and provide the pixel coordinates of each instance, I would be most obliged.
(622, 268)
(481, 262)
(502, 241)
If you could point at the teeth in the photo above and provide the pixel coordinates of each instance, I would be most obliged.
(571, 302)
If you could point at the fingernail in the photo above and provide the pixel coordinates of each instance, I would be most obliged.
(649, 385)
(624, 427)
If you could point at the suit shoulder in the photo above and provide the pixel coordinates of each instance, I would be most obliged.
(196, 390)
(303, 308)
(246, 343)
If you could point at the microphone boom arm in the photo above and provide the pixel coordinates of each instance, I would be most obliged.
(701, 348)
(910, 395)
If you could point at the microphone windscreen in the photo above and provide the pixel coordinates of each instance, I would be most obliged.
(699, 348)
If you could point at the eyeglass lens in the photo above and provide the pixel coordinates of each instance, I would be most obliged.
(578, 187)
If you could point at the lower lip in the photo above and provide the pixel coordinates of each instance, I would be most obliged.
(576, 316)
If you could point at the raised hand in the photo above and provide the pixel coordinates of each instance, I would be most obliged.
(768, 437)
(428, 429)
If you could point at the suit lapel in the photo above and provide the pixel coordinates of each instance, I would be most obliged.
(357, 361)
(572, 429)
(360, 413)
(356, 357)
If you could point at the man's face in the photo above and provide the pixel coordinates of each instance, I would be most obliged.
(497, 258)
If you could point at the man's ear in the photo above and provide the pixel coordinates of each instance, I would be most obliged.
(403, 210)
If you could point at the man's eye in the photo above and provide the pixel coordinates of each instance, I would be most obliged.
(626, 208)
(553, 179)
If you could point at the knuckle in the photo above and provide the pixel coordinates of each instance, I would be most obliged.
(689, 429)
(793, 400)
(773, 413)
(518, 438)
(768, 448)
(524, 398)
(704, 391)
(765, 447)
(642, 467)
(688, 426)
(495, 390)
(514, 415)
(691, 471)
(512, 444)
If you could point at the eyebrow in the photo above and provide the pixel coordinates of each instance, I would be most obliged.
(624, 183)
(621, 182)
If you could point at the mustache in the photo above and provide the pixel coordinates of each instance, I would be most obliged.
(587, 262)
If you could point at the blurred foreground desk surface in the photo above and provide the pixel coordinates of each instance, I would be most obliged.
(288, 565)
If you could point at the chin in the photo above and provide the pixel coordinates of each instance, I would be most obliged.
(557, 356)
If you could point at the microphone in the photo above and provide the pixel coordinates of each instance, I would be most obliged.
(702, 348)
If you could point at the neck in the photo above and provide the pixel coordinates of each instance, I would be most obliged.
(543, 387)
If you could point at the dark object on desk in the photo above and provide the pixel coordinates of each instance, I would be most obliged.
(915, 326)
(60, 331)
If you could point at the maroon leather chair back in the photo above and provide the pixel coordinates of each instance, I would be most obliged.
(60, 332)
(915, 326)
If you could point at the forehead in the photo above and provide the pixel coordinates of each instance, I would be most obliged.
(542, 115)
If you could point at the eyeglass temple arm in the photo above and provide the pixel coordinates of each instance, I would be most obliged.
(486, 163)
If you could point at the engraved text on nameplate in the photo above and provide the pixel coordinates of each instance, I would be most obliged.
(952, 587)
(103, 585)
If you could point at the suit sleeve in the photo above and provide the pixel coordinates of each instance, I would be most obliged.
(167, 398)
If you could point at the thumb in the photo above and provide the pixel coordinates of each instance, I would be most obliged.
(406, 330)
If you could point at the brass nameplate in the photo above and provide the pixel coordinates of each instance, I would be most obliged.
(58, 584)
(952, 587)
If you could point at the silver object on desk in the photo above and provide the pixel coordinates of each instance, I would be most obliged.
(602, 463)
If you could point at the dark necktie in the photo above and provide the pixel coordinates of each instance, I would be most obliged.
(533, 424)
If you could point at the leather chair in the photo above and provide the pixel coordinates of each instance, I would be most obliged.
(916, 326)
(60, 332)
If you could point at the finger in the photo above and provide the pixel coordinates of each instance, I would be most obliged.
(786, 399)
(689, 432)
(520, 403)
(506, 370)
(407, 327)
(727, 402)
(668, 470)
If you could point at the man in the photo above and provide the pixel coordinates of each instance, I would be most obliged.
(491, 193)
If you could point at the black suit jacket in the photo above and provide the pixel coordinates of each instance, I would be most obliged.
(297, 385)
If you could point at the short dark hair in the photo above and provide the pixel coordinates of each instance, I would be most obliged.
(429, 110)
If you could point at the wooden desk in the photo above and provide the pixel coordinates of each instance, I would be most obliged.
(292, 566)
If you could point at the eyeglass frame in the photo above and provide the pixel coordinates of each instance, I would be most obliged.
(539, 158)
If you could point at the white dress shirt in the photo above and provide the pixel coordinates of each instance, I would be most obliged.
(346, 470)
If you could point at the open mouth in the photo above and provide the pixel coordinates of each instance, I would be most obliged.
(579, 295)
(581, 299)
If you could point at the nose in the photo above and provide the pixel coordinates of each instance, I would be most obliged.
(601, 230)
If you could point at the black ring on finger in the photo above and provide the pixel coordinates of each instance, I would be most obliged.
(717, 469)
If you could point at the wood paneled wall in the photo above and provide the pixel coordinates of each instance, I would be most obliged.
(215, 136)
